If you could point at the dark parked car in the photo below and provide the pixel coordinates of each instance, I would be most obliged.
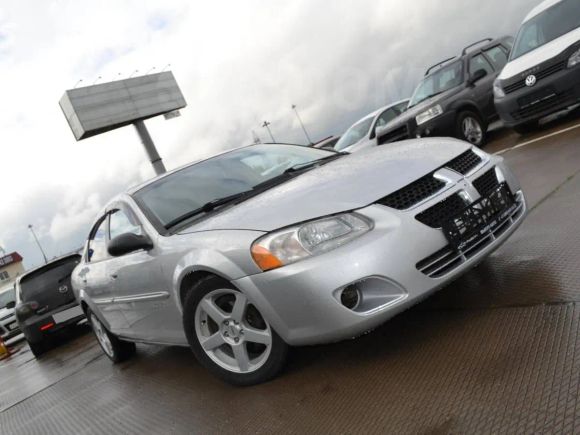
(45, 302)
(456, 96)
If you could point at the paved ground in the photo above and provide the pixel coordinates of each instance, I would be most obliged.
(496, 352)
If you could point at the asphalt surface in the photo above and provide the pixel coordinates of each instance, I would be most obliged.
(496, 352)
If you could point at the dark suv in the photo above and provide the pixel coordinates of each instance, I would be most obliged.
(45, 302)
(455, 98)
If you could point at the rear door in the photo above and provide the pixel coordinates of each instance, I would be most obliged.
(140, 290)
(483, 89)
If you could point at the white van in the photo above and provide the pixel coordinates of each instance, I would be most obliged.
(542, 75)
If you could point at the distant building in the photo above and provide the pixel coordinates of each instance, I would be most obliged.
(10, 267)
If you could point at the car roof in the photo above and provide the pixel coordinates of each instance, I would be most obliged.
(54, 260)
(466, 53)
(546, 4)
(7, 288)
(378, 112)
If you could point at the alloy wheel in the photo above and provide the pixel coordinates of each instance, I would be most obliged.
(472, 130)
(232, 332)
(102, 336)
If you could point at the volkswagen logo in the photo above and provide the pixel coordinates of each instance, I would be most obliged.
(63, 289)
(531, 80)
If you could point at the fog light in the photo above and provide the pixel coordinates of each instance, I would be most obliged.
(350, 297)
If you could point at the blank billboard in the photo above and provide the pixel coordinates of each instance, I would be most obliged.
(96, 109)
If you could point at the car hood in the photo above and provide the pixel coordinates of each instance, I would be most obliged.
(349, 183)
(411, 113)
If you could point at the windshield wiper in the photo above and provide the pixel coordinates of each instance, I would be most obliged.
(313, 163)
(208, 206)
(287, 174)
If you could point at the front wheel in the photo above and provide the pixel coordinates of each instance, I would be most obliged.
(229, 336)
(117, 350)
(471, 128)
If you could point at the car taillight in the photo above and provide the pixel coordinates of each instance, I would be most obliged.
(47, 326)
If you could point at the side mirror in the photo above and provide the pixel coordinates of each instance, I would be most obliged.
(127, 243)
(477, 76)
(10, 305)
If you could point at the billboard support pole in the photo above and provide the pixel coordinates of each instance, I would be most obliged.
(150, 149)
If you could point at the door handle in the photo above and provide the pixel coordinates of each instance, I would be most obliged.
(114, 276)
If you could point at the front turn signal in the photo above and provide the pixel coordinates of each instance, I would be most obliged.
(265, 259)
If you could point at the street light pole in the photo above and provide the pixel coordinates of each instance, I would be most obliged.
(266, 125)
(38, 243)
(302, 124)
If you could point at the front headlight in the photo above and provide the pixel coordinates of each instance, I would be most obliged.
(498, 90)
(290, 245)
(428, 115)
(574, 59)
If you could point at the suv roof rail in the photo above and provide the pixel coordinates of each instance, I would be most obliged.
(474, 44)
(438, 64)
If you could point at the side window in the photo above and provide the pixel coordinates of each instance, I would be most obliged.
(122, 222)
(386, 117)
(497, 56)
(479, 62)
(98, 243)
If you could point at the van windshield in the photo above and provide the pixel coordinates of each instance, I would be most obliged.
(554, 22)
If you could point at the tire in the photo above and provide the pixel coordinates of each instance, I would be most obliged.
(239, 346)
(528, 127)
(38, 348)
(116, 350)
(471, 128)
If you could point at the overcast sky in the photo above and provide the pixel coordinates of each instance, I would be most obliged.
(238, 63)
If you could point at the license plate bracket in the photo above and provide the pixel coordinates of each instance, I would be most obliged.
(479, 218)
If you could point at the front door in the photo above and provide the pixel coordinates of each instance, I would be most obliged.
(140, 289)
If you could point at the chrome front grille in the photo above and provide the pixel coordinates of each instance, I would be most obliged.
(427, 186)
(413, 193)
(465, 163)
(520, 84)
(448, 259)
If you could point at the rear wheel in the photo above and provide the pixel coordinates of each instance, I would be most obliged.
(38, 348)
(117, 350)
(229, 335)
(471, 128)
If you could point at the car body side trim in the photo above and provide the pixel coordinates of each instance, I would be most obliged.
(146, 297)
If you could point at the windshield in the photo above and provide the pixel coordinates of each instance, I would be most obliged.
(554, 22)
(444, 79)
(7, 297)
(45, 282)
(220, 177)
(354, 134)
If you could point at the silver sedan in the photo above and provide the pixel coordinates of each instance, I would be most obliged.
(244, 254)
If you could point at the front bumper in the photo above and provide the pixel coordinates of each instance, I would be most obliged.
(9, 328)
(550, 95)
(301, 301)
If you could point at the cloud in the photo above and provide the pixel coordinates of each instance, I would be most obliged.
(238, 63)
